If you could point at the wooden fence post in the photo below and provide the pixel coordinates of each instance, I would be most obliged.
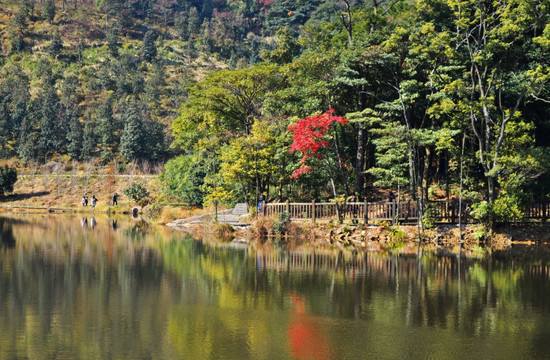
(288, 207)
(453, 216)
(366, 215)
(313, 211)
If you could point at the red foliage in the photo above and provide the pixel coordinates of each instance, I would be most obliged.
(308, 137)
(301, 171)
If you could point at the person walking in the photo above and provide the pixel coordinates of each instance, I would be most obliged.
(94, 201)
(84, 201)
(115, 198)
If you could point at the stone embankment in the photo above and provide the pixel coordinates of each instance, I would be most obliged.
(234, 217)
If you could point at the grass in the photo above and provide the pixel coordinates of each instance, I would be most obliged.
(44, 188)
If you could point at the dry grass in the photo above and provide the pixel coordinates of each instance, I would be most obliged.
(170, 213)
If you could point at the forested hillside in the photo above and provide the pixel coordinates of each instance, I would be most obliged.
(297, 100)
(105, 79)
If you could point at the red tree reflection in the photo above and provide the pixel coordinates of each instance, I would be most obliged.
(305, 338)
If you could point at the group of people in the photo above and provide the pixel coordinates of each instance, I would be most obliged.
(93, 200)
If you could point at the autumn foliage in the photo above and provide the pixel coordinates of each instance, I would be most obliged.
(309, 137)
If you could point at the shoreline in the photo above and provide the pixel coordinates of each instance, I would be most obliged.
(269, 232)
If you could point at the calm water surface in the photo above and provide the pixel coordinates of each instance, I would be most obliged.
(83, 288)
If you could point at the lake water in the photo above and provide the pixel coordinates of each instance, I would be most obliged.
(98, 288)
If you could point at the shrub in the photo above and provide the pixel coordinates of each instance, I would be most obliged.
(137, 192)
(280, 226)
(429, 218)
(183, 179)
(396, 232)
(224, 231)
(8, 177)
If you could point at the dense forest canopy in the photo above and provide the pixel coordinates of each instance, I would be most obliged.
(439, 94)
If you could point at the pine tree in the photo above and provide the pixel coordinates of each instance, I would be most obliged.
(154, 140)
(107, 130)
(89, 141)
(112, 42)
(56, 45)
(194, 22)
(148, 49)
(5, 125)
(182, 25)
(154, 88)
(20, 20)
(17, 42)
(48, 12)
(74, 135)
(132, 144)
(28, 140)
(49, 133)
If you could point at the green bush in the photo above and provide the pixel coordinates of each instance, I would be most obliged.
(506, 208)
(183, 178)
(280, 226)
(137, 192)
(8, 177)
(396, 232)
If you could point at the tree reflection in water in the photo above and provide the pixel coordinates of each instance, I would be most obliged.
(6, 234)
(131, 291)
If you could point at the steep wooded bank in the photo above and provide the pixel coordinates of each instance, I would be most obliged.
(292, 100)
(435, 99)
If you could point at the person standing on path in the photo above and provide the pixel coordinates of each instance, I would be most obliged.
(94, 201)
(115, 197)
(84, 201)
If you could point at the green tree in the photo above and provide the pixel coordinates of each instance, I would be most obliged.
(89, 140)
(107, 130)
(113, 42)
(194, 22)
(51, 131)
(248, 162)
(48, 12)
(132, 140)
(56, 45)
(137, 192)
(502, 56)
(183, 178)
(8, 177)
(148, 51)
(75, 133)
(225, 102)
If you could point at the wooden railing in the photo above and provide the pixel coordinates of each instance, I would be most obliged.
(404, 211)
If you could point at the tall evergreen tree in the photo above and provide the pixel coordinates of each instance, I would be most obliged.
(89, 141)
(154, 139)
(107, 130)
(56, 45)
(28, 139)
(5, 125)
(75, 134)
(50, 134)
(48, 12)
(132, 141)
(113, 42)
(194, 22)
(148, 49)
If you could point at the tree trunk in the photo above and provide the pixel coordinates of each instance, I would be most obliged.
(360, 160)
(340, 167)
(425, 173)
(361, 145)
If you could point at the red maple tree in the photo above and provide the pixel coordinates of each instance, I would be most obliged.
(309, 137)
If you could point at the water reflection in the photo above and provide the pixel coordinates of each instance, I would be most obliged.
(6, 234)
(129, 290)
